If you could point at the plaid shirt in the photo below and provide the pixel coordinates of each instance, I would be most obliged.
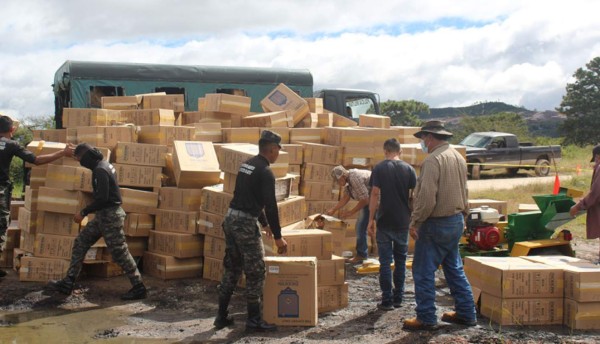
(441, 187)
(358, 184)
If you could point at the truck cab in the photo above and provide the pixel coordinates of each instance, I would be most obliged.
(348, 102)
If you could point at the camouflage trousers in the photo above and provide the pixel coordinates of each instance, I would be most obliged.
(5, 197)
(107, 223)
(244, 252)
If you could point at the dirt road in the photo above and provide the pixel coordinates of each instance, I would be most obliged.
(510, 183)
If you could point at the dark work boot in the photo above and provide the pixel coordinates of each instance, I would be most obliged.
(255, 321)
(138, 292)
(223, 319)
(63, 286)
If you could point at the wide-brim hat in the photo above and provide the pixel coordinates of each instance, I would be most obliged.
(433, 127)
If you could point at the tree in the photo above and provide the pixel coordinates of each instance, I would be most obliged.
(581, 105)
(508, 122)
(404, 112)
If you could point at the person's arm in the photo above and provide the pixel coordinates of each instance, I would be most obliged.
(343, 201)
(361, 204)
(592, 198)
(101, 193)
(373, 205)
(268, 196)
(425, 200)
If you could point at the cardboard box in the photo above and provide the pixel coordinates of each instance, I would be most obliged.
(62, 201)
(406, 134)
(345, 137)
(342, 121)
(58, 224)
(168, 267)
(174, 102)
(58, 246)
(315, 104)
(28, 220)
(138, 176)
(138, 225)
(173, 198)
(165, 135)
(37, 176)
(73, 117)
(581, 282)
(359, 157)
(501, 206)
(292, 286)
(148, 117)
(195, 164)
(310, 120)
(513, 277)
(27, 241)
(322, 154)
(325, 119)
(284, 132)
(31, 198)
(39, 269)
(214, 247)
(374, 121)
(13, 238)
(331, 271)
(69, 178)
(240, 135)
(232, 157)
(213, 270)
(177, 221)
(581, 315)
(332, 297)
(302, 135)
(317, 173)
(319, 207)
(106, 136)
(52, 135)
(102, 269)
(282, 98)
(227, 103)
(140, 154)
(295, 152)
(210, 224)
(522, 311)
(138, 201)
(137, 246)
(215, 200)
(319, 191)
(42, 148)
(208, 132)
(291, 210)
(303, 243)
(121, 102)
(176, 244)
(268, 120)
(333, 225)
(6, 258)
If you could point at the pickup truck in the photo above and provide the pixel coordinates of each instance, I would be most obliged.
(495, 150)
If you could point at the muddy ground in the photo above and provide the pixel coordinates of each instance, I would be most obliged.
(182, 311)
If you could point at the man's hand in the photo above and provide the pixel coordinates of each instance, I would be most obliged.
(78, 218)
(281, 246)
(330, 212)
(268, 231)
(69, 149)
(345, 214)
(574, 210)
(371, 228)
(414, 233)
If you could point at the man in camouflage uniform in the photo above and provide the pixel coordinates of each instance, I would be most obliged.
(8, 149)
(107, 223)
(253, 202)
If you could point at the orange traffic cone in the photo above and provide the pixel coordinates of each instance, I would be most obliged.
(578, 170)
(556, 185)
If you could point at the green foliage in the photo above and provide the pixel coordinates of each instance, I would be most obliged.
(404, 112)
(581, 105)
(508, 122)
(24, 135)
(477, 109)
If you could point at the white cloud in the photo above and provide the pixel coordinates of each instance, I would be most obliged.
(439, 52)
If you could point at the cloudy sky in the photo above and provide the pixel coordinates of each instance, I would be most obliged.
(443, 53)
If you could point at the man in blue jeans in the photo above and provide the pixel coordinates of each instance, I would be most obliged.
(392, 181)
(356, 186)
(437, 224)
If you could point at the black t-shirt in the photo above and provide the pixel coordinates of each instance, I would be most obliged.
(8, 149)
(106, 189)
(255, 191)
(394, 178)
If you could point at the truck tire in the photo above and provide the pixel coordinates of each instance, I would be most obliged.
(542, 167)
(476, 171)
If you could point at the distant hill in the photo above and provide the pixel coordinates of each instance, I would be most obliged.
(540, 123)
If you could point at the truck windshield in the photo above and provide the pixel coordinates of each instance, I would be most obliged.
(475, 140)
(358, 105)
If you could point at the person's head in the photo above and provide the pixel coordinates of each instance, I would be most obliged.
(87, 155)
(269, 145)
(596, 154)
(391, 148)
(432, 134)
(340, 175)
(7, 125)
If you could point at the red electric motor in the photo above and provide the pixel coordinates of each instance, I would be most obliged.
(485, 238)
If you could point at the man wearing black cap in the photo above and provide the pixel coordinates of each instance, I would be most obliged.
(253, 202)
(591, 202)
(107, 223)
(9, 149)
(436, 224)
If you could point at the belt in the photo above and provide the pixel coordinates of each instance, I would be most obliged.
(239, 213)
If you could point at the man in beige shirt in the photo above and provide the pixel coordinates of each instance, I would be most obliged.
(437, 223)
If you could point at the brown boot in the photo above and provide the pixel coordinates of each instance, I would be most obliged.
(452, 317)
(414, 324)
